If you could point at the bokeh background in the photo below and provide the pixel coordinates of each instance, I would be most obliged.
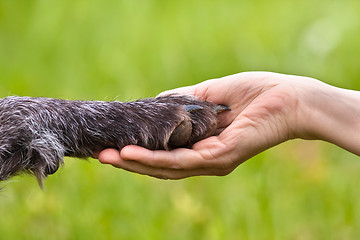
(129, 49)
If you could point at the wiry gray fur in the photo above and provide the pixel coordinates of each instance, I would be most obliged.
(36, 133)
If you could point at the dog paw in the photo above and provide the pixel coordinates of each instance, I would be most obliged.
(201, 121)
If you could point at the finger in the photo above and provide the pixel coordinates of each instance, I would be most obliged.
(112, 156)
(189, 90)
(109, 156)
(163, 173)
(175, 159)
(208, 153)
(199, 90)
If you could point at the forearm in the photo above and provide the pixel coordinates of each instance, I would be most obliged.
(332, 114)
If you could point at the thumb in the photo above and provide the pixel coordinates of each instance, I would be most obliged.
(189, 90)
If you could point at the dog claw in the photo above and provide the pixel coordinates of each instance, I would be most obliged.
(221, 108)
(193, 108)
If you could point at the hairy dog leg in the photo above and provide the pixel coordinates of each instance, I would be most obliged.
(36, 133)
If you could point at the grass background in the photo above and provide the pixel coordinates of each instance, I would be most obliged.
(128, 49)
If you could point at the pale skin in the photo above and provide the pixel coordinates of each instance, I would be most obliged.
(266, 110)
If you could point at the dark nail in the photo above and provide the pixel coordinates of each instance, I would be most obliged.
(193, 108)
(221, 108)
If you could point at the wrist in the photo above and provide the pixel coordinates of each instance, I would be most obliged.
(331, 114)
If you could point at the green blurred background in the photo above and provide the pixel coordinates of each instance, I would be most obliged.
(128, 49)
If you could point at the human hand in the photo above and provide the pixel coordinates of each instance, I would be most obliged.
(266, 109)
